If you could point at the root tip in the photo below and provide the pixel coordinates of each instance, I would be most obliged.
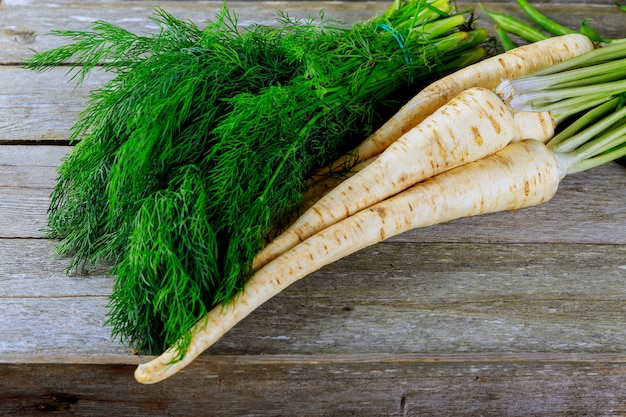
(142, 375)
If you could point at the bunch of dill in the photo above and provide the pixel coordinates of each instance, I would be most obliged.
(202, 143)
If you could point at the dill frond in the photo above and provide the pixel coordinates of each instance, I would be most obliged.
(201, 145)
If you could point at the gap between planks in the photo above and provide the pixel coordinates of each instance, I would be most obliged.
(327, 359)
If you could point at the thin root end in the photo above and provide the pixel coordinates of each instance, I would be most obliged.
(143, 376)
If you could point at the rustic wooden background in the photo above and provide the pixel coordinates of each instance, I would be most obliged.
(511, 314)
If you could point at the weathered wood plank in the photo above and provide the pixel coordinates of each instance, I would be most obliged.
(25, 24)
(45, 311)
(23, 211)
(448, 298)
(370, 385)
(33, 156)
(42, 107)
(587, 209)
(27, 175)
(478, 297)
(391, 298)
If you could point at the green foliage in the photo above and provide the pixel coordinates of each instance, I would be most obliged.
(202, 143)
(585, 96)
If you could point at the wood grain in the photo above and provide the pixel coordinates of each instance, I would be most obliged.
(41, 108)
(510, 314)
(380, 385)
(587, 208)
(393, 297)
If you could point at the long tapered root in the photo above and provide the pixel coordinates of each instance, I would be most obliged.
(424, 107)
(522, 174)
(488, 73)
(474, 124)
(539, 126)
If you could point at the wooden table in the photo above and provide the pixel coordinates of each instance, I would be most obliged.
(518, 314)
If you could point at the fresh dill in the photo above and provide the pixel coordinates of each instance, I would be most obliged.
(202, 143)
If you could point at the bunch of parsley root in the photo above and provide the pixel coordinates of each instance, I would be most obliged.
(193, 155)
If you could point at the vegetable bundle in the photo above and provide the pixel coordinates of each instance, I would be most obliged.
(521, 166)
(192, 156)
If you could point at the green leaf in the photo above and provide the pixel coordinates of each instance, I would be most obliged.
(589, 32)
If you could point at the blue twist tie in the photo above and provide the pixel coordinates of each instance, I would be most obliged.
(401, 42)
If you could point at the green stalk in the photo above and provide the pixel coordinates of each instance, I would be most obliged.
(506, 24)
(505, 40)
(427, 12)
(597, 128)
(564, 109)
(543, 21)
(537, 98)
(586, 99)
(602, 149)
(515, 26)
(598, 55)
(432, 30)
(600, 159)
(584, 120)
(463, 59)
(592, 74)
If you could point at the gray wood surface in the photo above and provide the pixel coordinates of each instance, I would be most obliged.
(326, 385)
(518, 314)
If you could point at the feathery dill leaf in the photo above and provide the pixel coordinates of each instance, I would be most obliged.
(201, 145)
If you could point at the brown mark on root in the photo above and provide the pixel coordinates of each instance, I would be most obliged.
(526, 188)
(490, 105)
(502, 62)
(477, 137)
(382, 213)
(495, 124)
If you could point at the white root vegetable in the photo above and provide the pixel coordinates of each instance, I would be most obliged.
(488, 73)
(522, 174)
(474, 124)
(539, 126)
(425, 106)
(317, 190)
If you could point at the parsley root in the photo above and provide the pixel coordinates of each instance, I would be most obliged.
(398, 168)
(520, 175)
(433, 146)
(487, 73)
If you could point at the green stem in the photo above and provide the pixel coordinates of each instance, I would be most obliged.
(505, 40)
(543, 21)
(447, 43)
(475, 38)
(579, 140)
(427, 12)
(515, 26)
(592, 74)
(537, 98)
(598, 55)
(564, 109)
(582, 122)
(432, 30)
(464, 59)
(596, 161)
